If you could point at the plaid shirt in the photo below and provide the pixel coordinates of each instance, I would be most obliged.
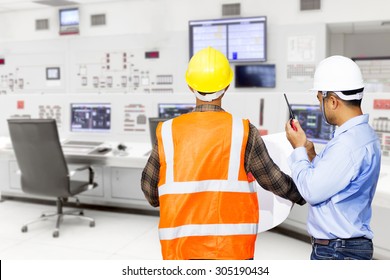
(257, 161)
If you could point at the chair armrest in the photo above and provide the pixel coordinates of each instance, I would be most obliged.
(82, 168)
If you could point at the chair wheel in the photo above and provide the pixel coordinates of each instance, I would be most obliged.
(56, 233)
(92, 224)
(24, 229)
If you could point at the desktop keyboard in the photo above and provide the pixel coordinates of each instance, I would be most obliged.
(76, 150)
(81, 143)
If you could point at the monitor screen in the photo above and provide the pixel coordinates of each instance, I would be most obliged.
(256, 75)
(171, 110)
(312, 122)
(53, 73)
(240, 39)
(69, 17)
(153, 122)
(90, 117)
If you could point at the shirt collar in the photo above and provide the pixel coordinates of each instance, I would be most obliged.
(351, 123)
(208, 107)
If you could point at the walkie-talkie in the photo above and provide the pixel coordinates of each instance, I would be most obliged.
(292, 117)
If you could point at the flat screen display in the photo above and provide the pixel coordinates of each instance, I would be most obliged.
(261, 75)
(153, 122)
(53, 73)
(69, 17)
(312, 122)
(171, 110)
(90, 117)
(240, 39)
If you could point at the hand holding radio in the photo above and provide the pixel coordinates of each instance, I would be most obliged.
(294, 132)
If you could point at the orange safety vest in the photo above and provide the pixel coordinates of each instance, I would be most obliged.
(208, 207)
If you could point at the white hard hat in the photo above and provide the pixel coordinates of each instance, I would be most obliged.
(337, 73)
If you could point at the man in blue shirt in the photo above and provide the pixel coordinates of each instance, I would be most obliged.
(339, 183)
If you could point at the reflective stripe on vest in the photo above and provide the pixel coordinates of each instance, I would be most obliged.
(204, 186)
(206, 230)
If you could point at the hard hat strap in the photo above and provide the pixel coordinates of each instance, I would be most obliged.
(356, 96)
(323, 113)
(324, 95)
(210, 96)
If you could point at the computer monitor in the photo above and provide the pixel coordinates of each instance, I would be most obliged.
(240, 39)
(255, 75)
(171, 110)
(90, 117)
(69, 19)
(311, 120)
(153, 122)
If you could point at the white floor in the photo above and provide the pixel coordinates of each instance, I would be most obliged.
(116, 236)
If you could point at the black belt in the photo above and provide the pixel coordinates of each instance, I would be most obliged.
(327, 241)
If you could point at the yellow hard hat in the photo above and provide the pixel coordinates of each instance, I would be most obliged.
(209, 71)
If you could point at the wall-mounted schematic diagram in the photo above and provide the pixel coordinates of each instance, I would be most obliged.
(9, 83)
(122, 71)
(33, 72)
(118, 64)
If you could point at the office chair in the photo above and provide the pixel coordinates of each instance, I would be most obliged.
(44, 171)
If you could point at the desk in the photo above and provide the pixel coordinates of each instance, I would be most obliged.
(135, 155)
(117, 173)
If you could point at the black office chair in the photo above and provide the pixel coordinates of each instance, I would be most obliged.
(44, 171)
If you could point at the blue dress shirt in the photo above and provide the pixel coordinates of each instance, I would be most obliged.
(339, 184)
